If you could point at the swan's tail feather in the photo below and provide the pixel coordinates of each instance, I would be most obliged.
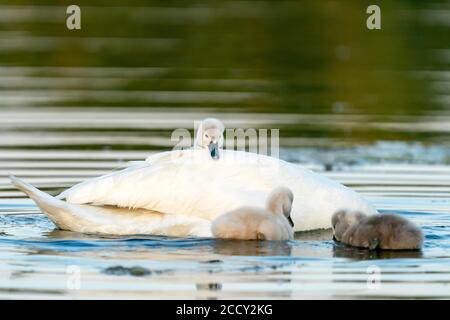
(54, 208)
(26, 188)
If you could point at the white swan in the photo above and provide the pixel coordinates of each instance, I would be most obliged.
(190, 182)
(254, 223)
(111, 220)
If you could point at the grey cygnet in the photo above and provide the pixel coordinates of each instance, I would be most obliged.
(379, 231)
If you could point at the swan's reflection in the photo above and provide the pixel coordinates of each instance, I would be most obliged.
(251, 248)
(58, 234)
(210, 248)
(344, 251)
(219, 247)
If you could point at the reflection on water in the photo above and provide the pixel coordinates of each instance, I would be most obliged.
(369, 109)
(251, 248)
(342, 251)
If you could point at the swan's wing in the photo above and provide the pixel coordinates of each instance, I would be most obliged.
(194, 185)
(157, 158)
(113, 220)
(89, 190)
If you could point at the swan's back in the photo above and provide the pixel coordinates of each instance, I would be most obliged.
(194, 184)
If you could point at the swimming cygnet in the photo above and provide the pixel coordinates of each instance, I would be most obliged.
(253, 223)
(380, 231)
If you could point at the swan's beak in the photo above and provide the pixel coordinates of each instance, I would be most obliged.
(290, 221)
(214, 150)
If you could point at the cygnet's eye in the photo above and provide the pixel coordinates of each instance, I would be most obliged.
(206, 135)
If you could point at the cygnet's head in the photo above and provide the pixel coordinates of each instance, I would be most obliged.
(342, 220)
(280, 202)
(210, 135)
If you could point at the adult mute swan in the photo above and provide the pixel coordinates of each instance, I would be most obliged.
(113, 220)
(196, 183)
(254, 223)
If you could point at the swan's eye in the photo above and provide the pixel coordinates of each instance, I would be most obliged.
(206, 135)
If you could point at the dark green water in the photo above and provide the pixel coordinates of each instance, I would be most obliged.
(367, 108)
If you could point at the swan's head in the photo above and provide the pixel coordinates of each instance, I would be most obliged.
(342, 220)
(210, 135)
(280, 202)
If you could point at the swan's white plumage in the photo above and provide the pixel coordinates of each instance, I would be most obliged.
(189, 182)
(110, 220)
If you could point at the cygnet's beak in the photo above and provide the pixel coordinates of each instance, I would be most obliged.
(214, 150)
(290, 221)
